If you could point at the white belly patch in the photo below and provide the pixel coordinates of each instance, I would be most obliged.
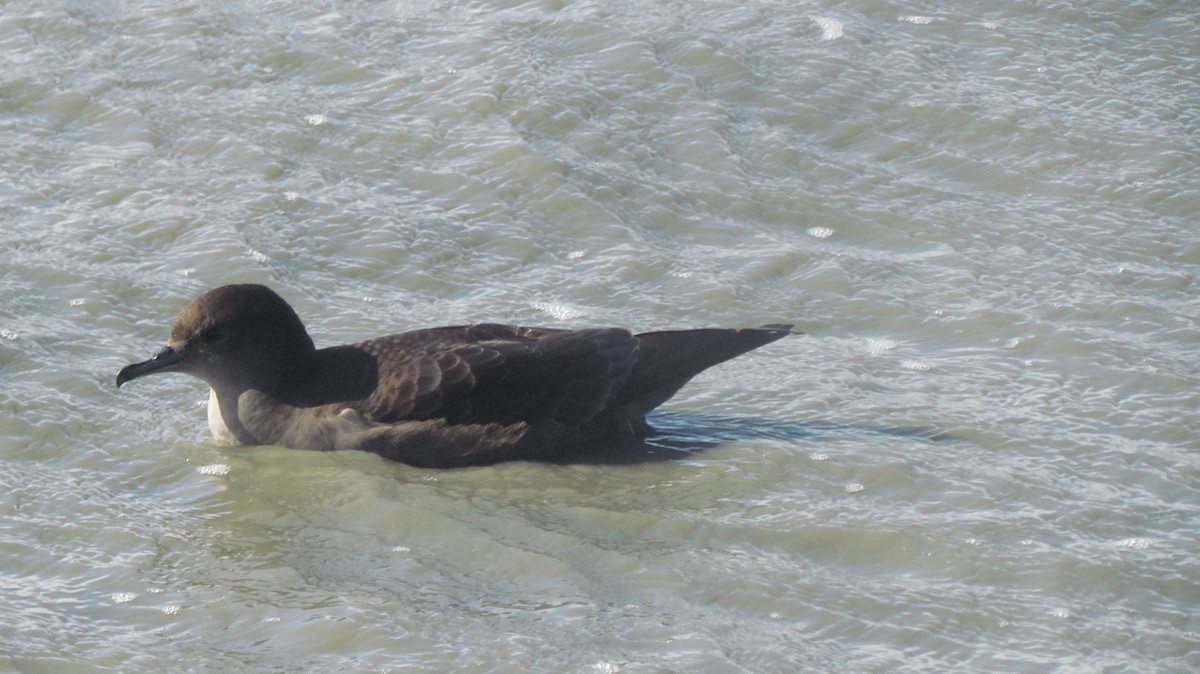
(216, 424)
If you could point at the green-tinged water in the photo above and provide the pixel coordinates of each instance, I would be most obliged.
(982, 456)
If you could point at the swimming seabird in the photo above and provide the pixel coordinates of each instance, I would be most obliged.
(436, 397)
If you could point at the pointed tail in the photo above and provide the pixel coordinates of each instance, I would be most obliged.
(668, 360)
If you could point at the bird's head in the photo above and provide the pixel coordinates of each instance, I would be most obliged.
(236, 336)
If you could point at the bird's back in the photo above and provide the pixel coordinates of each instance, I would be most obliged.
(561, 380)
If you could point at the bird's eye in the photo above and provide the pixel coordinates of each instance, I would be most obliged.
(210, 336)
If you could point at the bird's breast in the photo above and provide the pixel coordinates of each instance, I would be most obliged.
(216, 423)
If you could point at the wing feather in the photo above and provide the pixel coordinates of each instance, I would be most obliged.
(493, 374)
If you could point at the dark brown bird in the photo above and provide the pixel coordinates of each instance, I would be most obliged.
(439, 397)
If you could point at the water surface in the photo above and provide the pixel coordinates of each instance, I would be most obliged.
(981, 456)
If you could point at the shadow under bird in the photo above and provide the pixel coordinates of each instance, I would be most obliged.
(437, 397)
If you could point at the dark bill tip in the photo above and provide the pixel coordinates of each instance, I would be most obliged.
(163, 361)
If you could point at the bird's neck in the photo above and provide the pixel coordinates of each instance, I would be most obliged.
(225, 432)
(224, 420)
(325, 376)
(253, 414)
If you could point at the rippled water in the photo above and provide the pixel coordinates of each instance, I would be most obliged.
(982, 456)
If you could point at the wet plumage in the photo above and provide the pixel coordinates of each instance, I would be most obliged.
(438, 397)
